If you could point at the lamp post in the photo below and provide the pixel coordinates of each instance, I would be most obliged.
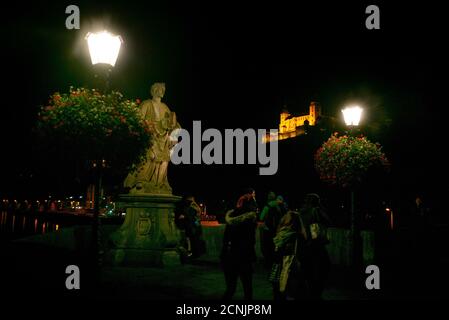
(352, 115)
(104, 48)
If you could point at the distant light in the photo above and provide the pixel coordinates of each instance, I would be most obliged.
(352, 115)
(104, 47)
(387, 209)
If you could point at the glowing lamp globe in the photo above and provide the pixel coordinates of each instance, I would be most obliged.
(104, 47)
(352, 115)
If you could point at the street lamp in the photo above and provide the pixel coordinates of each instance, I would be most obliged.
(352, 116)
(104, 48)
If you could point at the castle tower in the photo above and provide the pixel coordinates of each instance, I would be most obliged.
(283, 123)
(314, 112)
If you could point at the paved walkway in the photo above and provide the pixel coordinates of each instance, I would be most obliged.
(33, 271)
(198, 280)
(39, 271)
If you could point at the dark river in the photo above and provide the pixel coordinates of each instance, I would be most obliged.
(15, 225)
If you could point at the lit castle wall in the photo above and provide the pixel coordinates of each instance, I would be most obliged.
(290, 126)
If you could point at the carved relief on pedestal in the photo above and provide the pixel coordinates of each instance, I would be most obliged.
(146, 224)
(143, 226)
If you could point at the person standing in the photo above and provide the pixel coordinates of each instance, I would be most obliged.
(289, 241)
(188, 221)
(316, 261)
(238, 252)
(267, 231)
(271, 215)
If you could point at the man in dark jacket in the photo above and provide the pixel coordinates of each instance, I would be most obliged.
(188, 221)
(238, 253)
(316, 262)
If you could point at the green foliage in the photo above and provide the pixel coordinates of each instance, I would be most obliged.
(345, 160)
(92, 126)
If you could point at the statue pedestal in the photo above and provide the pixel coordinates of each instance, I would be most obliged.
(148, 236)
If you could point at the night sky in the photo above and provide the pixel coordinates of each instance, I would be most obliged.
(233, 66)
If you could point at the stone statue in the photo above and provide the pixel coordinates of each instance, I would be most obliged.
(151, 176)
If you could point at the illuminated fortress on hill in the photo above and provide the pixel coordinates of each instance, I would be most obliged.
(291, 126)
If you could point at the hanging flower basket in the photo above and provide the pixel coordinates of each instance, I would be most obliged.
(93, 126)
(345, 160)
